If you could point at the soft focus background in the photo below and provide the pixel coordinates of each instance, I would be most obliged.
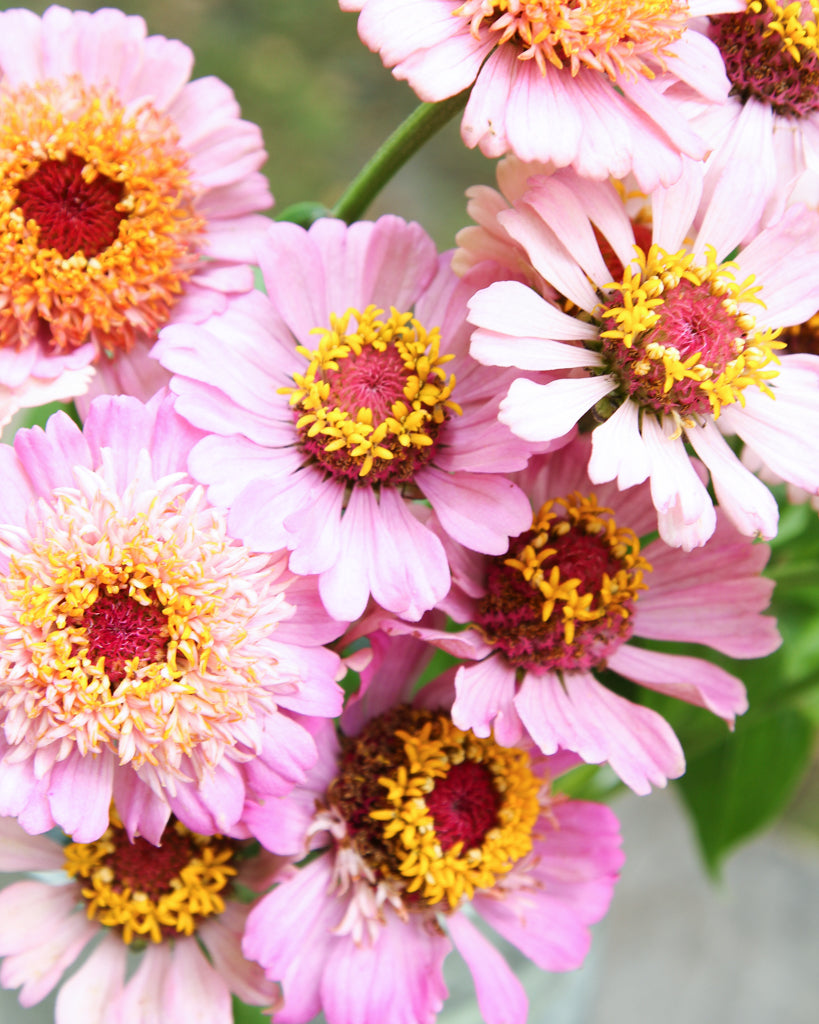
(677, 947)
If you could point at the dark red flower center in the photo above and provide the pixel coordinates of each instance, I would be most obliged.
(119, 629)
(759, 66)
(72, 213)
(464, 805)
(563, 595)
(143, 867)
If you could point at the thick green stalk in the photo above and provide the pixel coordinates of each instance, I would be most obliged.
(406, 140)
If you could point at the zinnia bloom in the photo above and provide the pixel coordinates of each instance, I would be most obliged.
(347, 396)
(551, 620)
(165, 904)
(666, 340)
(145, 656)
(767, 132)
(127, 197)
(583, 86)
(413, 822)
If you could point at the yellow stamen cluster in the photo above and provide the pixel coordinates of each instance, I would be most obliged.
(799, 35)
(127, 290)
(564, 596)
(448, 876)
(194, 893)
(358, 432)
(648, 288)
(147, 571)
(613, 37)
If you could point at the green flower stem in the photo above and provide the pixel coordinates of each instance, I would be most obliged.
(391, 156)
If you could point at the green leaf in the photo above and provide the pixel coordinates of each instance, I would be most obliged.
(243, 1014)
(739, 785)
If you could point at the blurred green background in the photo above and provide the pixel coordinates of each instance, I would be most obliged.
(323, 101)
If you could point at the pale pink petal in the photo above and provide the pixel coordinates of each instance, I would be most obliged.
(484, 700)
(142, 999)
(80, 793)
(743, 497)
(222, 938)
(315, 530)
(501, 997)
(544, 412)
(90, 992)
(21, 852)
(480, 511)
(193, 990)
(686, 516)
(30, 912)
(289, 932)
(141, 811)
(691, 679)
(549, 257)
(618, 451)
(399, 977)
(577, 712)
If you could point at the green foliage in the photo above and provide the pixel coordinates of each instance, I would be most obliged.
(243, 1014)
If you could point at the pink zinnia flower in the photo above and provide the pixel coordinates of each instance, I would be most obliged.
(553, 616)
(666, 341)
(145, 656)
(582, 86)
(767, 131)
(347, 396)
(417, 821)
(129, 197)
(161, 905)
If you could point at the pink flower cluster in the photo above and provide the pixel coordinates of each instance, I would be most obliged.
(542, 453)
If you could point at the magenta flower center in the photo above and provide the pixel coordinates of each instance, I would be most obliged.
(680, 338)
(372, 401)
(153, 892)
(770, 55)
(464, 805)
(563, 596)
(120, 629)
(72, 212)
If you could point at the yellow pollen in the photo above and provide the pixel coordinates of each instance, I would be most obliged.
(798, 33)
(616, 37)
(648, 288)
(126, 291)
(563, 596)
(447, 877)
(369, 441)
(195, 893)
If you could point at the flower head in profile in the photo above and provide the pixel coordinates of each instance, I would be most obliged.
(125, 898)
(147, 658)
(663, 341)
(128, 194)
(551, 624)
(413, 822)
(582, 86)
(349, 395)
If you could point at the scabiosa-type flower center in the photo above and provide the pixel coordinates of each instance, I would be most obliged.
(612, 36)
(771, 54)
(71, 212)
(679, 343)
(131, 623)
(562, 597)
(153, 892)
(97, 213)
(374, 397)
(436, 812)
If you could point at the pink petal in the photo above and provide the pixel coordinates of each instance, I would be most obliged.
(501, 997)
(544, 412)
(80, 792)
(618, 451)
(690, 679)
(484, 700)
(577, 712)
(193, 989)
(21, 852)
(89, 993)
